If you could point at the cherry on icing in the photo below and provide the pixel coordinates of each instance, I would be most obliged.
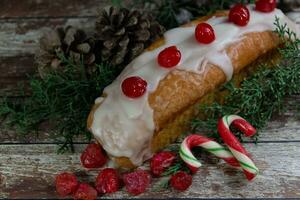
(265, 5)
(134, 87)
(239, 14)
(169, 57)
(204, 33)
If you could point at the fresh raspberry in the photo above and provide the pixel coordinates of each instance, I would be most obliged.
(66, 183)
(85, 192)
(137, 182)
(169, 57)
(181, 181)
(134, 87)
(204, 33)
(93, 156)
(108, 181)
(161, 161)
(265, 5)
(239, 14)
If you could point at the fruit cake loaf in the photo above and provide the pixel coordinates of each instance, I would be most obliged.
(151, 102)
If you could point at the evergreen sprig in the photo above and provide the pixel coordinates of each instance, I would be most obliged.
(63, 99)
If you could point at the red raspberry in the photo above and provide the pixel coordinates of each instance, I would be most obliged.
(66, 183)
(85, 192)
(204, 33)
(239, 14)
(265, 5)
(134, 87)
(181, 181)
(137, 182)
(161, 161)
(169, 57)
(108, 181)
(93, 156)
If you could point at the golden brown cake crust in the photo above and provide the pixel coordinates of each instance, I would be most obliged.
(180, 90)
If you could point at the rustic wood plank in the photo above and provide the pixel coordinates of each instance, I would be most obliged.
(28, 172)
(13, 73)
(8, 136)
(18, 37)
(295, 16)
(49, 8)
(291, 5)
(16, 67)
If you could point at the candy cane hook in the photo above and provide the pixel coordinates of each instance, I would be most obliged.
(239, 152)
(208, 144)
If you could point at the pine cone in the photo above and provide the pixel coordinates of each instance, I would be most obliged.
(122, 34)
(72, 43)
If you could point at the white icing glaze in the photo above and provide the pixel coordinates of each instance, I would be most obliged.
(125, 126)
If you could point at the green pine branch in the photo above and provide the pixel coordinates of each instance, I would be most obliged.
(63, 99)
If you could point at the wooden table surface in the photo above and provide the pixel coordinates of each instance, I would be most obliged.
(28, 165)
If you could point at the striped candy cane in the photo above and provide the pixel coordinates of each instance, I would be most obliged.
(235, 146)
(209, 145)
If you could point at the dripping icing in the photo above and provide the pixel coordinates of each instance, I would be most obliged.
(125, 126)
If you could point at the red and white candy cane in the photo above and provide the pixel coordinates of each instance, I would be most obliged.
(235, 146)
(209, 145)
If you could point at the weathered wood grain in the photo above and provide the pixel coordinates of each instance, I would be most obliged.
(20, 37)
(16, 67)
(9, 136)
(291, 5)
(13, 73)
(295, 16)
(49, 8)
(27, 171)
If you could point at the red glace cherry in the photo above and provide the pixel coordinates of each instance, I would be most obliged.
(93, 156)
(169, 57)
(161, 161)
(85, 192)
(108, 181)
(265, 5)
(137, 182)
(66, 183)
(239, 14)
(204, 33)
(181, 181)
(134, 87)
